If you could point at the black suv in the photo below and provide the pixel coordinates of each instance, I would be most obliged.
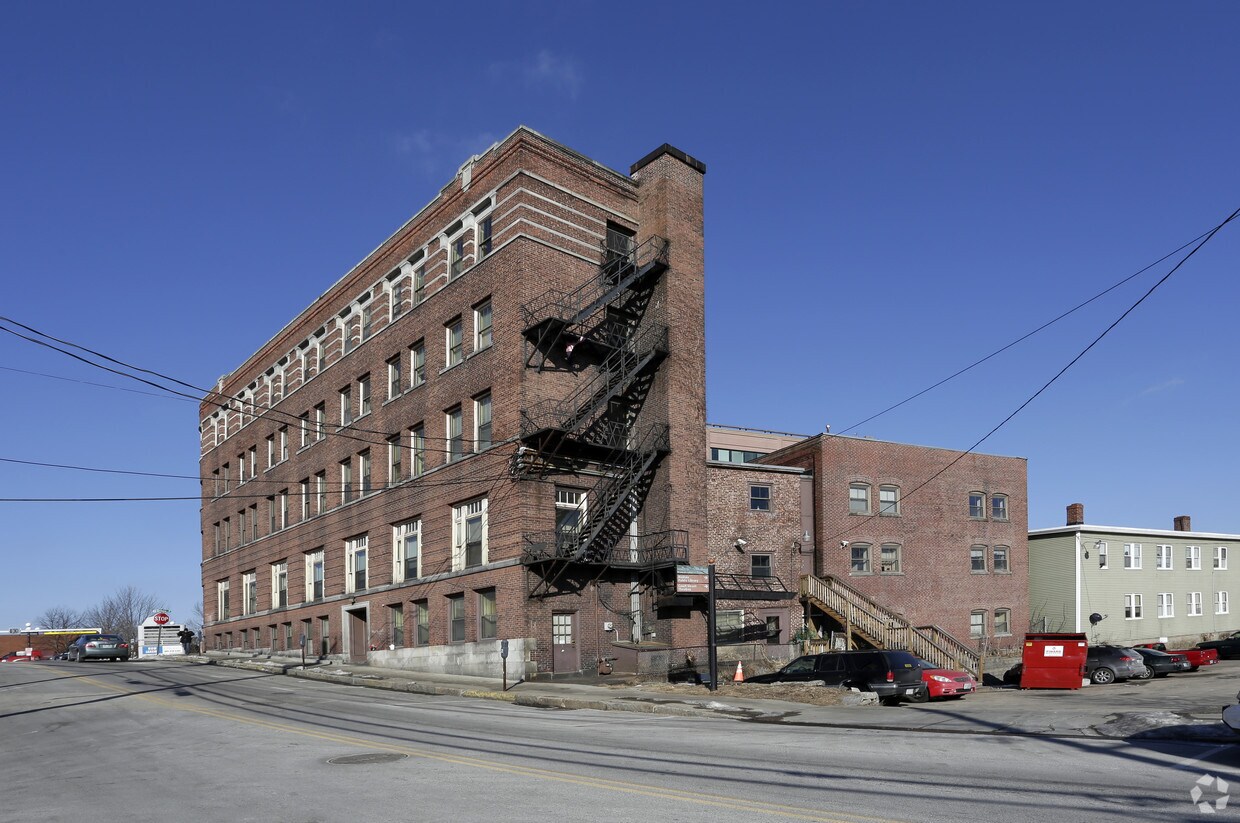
(892, 675)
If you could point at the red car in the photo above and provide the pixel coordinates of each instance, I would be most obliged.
(22, 657)
(945, 682)
(1196, 657)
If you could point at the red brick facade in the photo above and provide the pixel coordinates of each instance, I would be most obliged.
(525, 217)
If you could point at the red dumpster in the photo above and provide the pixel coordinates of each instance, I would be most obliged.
(1054, 660)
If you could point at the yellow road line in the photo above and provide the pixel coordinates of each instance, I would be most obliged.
(627, 787)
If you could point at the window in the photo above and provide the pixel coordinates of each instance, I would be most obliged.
(245, 536)
(346, 405)
(227, 534)
(889, 559)
(218, 538)
(454, 351)
(1192, 557)
(452, 426)
(224, 474)
(282, 436)
(482, 326)
(271, 450)
(368, 320)
(394, 379)
(1162, 557)
(1132, 555)
(570, 509)
(253, 517)
(288, 636)
(320, 492)
(395, 466)
(272, 516)
(363, 395)
(1194, 604)
(363, 473)
(419, 284)
(1000, 560)
(977, 559)
(999, 507)
(760, 565)
(860, 558)
(396, 620)
(221, 600)
(303, 426)
(456, 258)
(729, 625)
(417, 364)
(355, 559)
(1101, 547)
(977, 506)
(249, 592)
(889, 501)
(325, 639)
(759, 498)
(406, 551)
(279, 585)
(253, 462)
(346, 480)
(1220, 602)
(241, 478)
(469, 535)
(1003, 622)
(456, 618)
(320, 421)
(421, 623)
(398, 298)
(1166, 604)
(488, 628)
(977, 624)
(314, 575)
(482, 422)
(282, 500)
(346, 333)
(1132, 607)
(858, 498)
(417, 451)
(483, 241)
(1220, 557)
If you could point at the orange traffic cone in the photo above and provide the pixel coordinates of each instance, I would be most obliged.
(739, 677)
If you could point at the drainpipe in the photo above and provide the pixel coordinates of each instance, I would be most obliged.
(1077, 610)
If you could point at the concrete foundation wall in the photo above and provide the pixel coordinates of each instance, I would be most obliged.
(479, 659)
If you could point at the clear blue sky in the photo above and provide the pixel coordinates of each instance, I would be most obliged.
(893, 191)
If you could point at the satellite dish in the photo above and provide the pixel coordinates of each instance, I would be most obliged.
(1095, 618)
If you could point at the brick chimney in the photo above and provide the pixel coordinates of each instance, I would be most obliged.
(1076, 514)
(1183, 523)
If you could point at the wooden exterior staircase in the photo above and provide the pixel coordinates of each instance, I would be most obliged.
(882, 628)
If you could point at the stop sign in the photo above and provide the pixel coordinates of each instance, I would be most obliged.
(161, 618)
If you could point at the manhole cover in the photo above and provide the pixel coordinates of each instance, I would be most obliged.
(365, 759)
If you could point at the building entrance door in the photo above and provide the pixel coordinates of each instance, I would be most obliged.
(359, 634)
(564, 654)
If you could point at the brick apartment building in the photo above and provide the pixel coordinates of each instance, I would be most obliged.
(935, 547)
(492, 428)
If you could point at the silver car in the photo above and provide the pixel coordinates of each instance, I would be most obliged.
(98, 647)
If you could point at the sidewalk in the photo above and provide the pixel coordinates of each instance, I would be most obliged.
(990, 711)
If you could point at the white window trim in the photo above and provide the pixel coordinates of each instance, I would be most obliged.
(1132, 555)
(1166, 604)
(1192, 558)
(1133, 603)
(355, 547)
(1220, 558)
(400, 532)
(478, 344)
(1196, 607)
(1163, 557)
(276, 570)
(1221, 604)
(460, 514)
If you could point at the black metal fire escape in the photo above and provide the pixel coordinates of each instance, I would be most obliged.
(600, 329)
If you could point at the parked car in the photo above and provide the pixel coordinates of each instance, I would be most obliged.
(945, 682)
(1106, 664)
(22, 657)
(1161, 664)
(1231, 716)
(1196, 657)
(98, 647)
(892, 675)
(1227, 647)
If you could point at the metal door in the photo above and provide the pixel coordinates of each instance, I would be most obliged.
(564, 654)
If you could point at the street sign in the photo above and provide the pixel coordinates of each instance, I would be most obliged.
(692, 580)
(161, 618)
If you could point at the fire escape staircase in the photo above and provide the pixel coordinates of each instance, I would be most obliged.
(882, 628)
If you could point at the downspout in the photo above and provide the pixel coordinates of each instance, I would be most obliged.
(1077, 610)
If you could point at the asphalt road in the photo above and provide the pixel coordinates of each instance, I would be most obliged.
(147, 741)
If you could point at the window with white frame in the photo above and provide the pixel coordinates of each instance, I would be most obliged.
(889, 501)
(1194, 604)
(977, 559)
(395, 381)
(398, 297)
(469, 534)
(1166, 604)
(406, 550)
(1220, 603)
(1162, 554)
(482, 325)
(1220, 558)
(396, 622)
(1192, 557)
(570, 513)
(858, 498)
(346, 480)
(452, 427)
(1132, 555)
(482, 422)
(249, 592)
(889, 559)
(999, 507)
(1003, 622)
(1101, 547)
(419, 284)
(482, 240)
(320, 421)
(456, 257)
(314, 575)
(221, 600)
(396, 451)
(488, 616)
(305, 499)
(271, 450)
(320, 492)
(417, 364)
(1132, 607)
(355, 563)
(454, 346)
(859, 558)
(456, 618)
(417, 450)
(363, 395)
(977, 506)
(279, 584)
(421, 622)
(346, 405)
(977, 624)
(282, 441)
(1000, 560)
(282, 503)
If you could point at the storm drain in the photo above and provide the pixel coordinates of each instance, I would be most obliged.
(366, 759)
